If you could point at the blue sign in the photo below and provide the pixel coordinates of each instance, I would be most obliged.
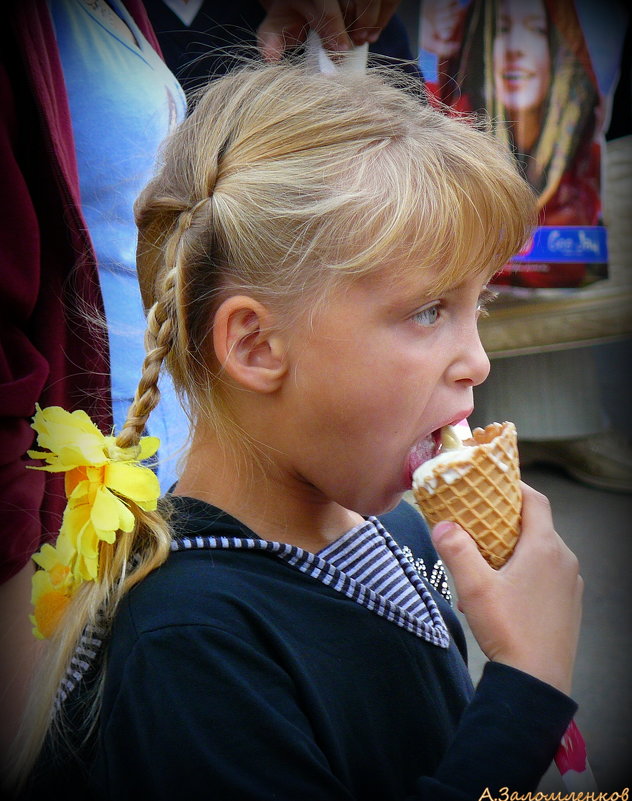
(566, 243)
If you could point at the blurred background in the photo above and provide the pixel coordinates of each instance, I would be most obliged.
(595, 523)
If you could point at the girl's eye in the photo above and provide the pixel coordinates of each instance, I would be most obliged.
(537, 25)
(427, 316)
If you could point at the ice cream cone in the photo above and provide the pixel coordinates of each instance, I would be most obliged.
(479, 489)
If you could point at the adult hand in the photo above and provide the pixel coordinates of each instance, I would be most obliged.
(527, 614)
(341, 24)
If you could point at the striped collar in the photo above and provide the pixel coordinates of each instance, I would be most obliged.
(429, 625)
(424, 621)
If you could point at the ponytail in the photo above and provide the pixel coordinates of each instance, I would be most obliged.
(112, 534)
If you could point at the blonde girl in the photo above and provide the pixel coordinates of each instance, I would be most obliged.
(313, 254)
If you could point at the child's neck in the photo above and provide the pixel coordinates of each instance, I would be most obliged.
(273, 506)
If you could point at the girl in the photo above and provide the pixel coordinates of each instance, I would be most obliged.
(313, 253)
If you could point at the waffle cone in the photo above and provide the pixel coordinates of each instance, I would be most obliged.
(483, 494)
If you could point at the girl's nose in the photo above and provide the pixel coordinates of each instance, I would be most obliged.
(472, 365)
(514, 45)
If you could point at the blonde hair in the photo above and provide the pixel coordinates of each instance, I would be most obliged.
(280, 184)
(283, 181)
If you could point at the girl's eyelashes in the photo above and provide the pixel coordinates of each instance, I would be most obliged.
(429, 315)
(486, 297)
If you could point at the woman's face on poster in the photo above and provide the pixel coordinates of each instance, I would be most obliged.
(522, 60)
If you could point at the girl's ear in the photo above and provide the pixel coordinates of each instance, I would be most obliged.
(249, 349)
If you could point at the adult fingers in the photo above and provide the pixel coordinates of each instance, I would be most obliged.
(387, 9)
(287, 23)
(365, 19)
(326, 18)
(282, 27)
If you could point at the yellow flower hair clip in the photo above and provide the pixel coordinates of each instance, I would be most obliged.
(100, 479)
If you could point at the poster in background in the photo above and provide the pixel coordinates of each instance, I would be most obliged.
(544, 71)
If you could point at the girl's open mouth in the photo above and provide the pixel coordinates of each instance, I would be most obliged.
(425, 449)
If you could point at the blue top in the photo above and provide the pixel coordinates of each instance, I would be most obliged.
(123, 102)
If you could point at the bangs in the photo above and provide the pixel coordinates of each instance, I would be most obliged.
(473, 227)
(455, 216)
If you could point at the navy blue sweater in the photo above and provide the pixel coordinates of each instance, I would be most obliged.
(233, 675)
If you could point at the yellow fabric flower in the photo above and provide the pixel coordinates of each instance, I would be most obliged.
(54, 559)
(53, 586)
(74, 441)
(100, 479)
(49, 605)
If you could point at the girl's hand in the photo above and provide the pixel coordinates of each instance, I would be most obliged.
(527, 614)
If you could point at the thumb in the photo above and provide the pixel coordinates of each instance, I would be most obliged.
(460, 555)
(330, 25)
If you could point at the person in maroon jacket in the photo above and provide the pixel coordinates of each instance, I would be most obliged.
(49, 351)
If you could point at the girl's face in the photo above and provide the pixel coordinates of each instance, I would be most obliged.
(522, 61)
(375, 375)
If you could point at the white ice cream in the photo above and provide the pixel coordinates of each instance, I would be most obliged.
(453, 461)
(451, 464)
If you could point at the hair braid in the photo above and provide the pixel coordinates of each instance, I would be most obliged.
(161, 333)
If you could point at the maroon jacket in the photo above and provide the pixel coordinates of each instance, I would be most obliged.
(51, 352)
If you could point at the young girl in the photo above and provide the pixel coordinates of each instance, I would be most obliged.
(313, 253)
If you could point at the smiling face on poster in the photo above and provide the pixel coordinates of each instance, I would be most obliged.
(522, 60)
(539, 69)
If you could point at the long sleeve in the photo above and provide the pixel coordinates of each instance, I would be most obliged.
(230, 673)
(507, 737)
(218, 713)
(23, 368)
